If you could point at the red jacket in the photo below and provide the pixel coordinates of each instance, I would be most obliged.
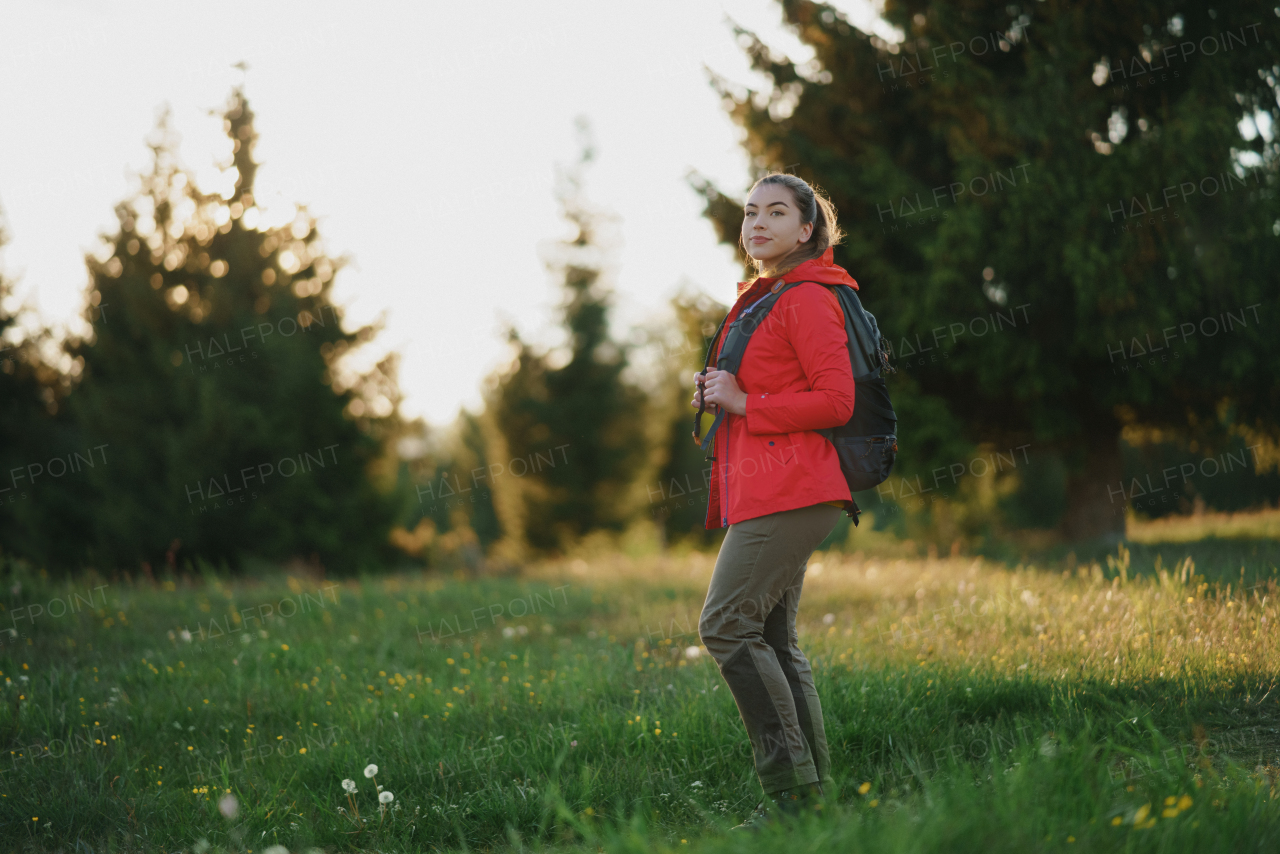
(798, 379)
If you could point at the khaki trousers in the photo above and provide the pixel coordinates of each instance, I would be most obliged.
(748, 625)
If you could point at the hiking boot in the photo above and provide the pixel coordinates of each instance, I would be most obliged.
(757, 820)
(798, 801)
(787, 802)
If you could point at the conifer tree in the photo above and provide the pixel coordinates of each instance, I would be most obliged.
(1103, 178)
(33, 428)
(211, 379)
(573, 433)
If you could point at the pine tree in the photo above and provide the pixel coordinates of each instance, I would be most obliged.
(211, 386)
(33, 429)
(1015, 160)
(574, 434)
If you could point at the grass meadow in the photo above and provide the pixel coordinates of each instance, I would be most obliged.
(1125, 703)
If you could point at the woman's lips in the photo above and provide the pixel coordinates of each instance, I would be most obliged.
(759, 240)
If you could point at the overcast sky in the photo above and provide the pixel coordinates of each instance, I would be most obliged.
(424, 135)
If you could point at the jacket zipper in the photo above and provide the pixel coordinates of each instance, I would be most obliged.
(723, 457)
(724, 474)
(723, 454)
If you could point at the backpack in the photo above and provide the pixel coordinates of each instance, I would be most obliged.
(866, 444)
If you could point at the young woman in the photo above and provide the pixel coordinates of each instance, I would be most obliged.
(777, 485)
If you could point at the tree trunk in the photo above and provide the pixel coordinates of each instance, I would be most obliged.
(1096, 497)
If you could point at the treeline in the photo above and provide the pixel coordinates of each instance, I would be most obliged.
(593, 438)
(1066, 218)
(1065, 357)
(207, 416)
(1072, 258)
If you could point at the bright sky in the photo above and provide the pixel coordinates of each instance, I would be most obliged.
(425, 136)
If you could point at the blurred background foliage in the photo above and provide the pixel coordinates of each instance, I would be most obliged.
(995, 169)
(215, 356)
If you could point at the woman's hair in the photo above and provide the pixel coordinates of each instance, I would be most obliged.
(814, 207)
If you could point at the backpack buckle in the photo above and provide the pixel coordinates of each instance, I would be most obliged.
(777, 286)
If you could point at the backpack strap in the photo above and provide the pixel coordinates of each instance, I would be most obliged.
(735, 346)
(702, 404)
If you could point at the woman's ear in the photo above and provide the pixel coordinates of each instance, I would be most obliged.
(806, 231)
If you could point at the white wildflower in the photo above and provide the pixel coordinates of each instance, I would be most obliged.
(386, 798)
(370, 770)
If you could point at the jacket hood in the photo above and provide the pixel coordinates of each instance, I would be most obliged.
(822, 270)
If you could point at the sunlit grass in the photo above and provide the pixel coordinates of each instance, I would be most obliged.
(1257, 523)
(969, 706)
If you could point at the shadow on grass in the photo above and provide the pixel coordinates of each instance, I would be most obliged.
(1219, 559)
(896, 729)
(1051, 795)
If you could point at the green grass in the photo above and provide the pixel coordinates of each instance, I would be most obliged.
(1039, 708)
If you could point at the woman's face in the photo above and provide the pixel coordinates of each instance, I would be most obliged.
(771, 226)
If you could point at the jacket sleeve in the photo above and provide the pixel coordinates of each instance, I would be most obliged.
(818, 337)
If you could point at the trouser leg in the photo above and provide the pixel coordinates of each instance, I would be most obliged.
(748, 626)
(780, 634)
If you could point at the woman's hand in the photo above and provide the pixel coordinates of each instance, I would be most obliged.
(696, 403)
(721, 391)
